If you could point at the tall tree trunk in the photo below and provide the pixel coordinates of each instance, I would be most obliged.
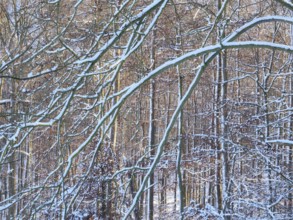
(11, 160)
(218, 198)
(290, 203)
(224, 136)
(181, 150)
(152, 128)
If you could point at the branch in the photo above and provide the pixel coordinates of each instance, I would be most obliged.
(286, 3)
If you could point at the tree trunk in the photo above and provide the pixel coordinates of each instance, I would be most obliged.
(152, 129)
(290, 203)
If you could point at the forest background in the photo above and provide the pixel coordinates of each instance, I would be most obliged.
(131, 109)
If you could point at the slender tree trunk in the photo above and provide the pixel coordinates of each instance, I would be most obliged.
(181, 175)
(223, 201)
(143, 204)
(132, 188)
(218, 199)
(3, 186)
(152, 129)
(103, 190)
(267, 128)
(164, 173)
(224, 137)
(12, 158)
(290, 203)
(180, 151)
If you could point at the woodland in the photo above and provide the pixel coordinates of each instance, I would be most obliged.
(146, 109)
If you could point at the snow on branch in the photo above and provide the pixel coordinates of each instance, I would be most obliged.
(280, 141)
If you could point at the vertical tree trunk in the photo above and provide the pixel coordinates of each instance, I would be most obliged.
(180, 151)
(181, 176)
(3, 187)
(103, 190)
(11, 160)
(164, 173)
(223, 195)
(218, 198)
(152, 128)
(290, 203)
(224, 137)
(217, 125)
(143, 204)
(266, 89)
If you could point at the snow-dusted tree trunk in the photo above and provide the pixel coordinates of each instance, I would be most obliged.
(290, 130)
(152, 128)
(181, 176)
(11, 169)
(181, 148)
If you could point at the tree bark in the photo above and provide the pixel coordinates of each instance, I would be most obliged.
(152, 128)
